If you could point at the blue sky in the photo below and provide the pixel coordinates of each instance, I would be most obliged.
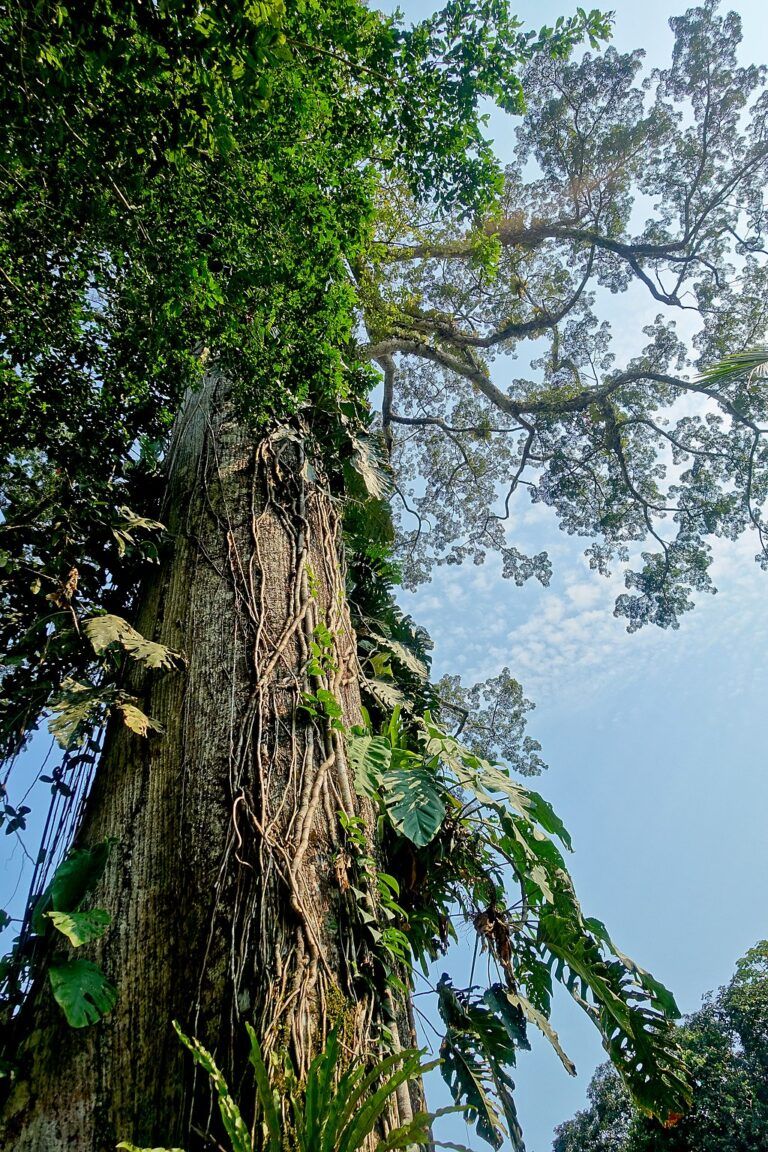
(656, 741)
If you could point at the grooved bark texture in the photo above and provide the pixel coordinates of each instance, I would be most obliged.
(226, 886)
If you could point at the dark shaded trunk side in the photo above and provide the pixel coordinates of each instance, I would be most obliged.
(226, 886)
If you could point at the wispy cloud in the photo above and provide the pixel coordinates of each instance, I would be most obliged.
(563, 643)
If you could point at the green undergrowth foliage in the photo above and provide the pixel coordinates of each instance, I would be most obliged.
(335, 1110)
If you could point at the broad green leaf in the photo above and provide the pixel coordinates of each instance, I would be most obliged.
(414, 803)
(74, 878)
(81, 927)
(330, 704)
(82, 991)
(369, 759)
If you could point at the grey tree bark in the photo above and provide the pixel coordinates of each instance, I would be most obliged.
(227, 885)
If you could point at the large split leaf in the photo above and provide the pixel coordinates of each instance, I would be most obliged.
(414, 801)
(404, 655)
(636, 1030)
(105, 630)
(75, 709)
(369, 461)
(74, 878)
(369, 759)
(476, 1053)
(82, 991)
(536, 1018)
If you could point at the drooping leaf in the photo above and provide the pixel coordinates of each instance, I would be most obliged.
(537, 1018)
(404, 655)
(81, 927)
(105, 630)
(74, 878)
(130, 522)
(75, 709)
(638, 1036)
(385, 693)
(82, 991)
(370, 463)
(476, 1052)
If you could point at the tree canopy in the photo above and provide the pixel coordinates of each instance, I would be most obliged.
(619, 183)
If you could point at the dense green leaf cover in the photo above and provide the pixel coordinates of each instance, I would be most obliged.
(186, 186)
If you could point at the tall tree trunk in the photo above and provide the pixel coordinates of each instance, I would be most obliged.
(228, 883)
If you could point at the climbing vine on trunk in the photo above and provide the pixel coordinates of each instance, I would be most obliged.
(222, 227)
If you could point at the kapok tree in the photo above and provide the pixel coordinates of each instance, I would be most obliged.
(218, 223)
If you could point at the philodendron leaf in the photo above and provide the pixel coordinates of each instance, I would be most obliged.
(369, 462)
(476, 1052)
(369, 759)
(102, 631)
(74, 878)
(82, 991)
(500, 997)
(414, 803)
(81, 927)
(403, 654)
(385, 693)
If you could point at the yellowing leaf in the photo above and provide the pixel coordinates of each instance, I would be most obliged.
(136, 720)
(81, 927)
